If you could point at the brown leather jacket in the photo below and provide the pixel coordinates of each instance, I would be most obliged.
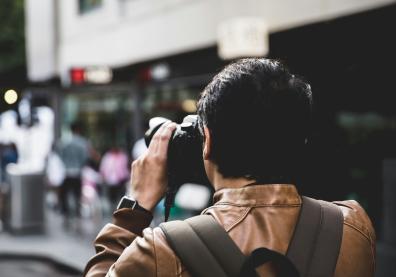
(254, 216)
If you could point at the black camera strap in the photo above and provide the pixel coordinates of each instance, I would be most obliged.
(168, 203)
(173, 186)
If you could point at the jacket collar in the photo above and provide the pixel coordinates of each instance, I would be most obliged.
(259, 194)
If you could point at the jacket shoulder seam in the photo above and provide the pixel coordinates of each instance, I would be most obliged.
(366, 235)
(369, 240)
(239, 219)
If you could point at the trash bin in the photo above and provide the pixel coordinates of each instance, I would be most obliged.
(26, 199)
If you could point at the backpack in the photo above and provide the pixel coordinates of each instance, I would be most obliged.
(206, 249)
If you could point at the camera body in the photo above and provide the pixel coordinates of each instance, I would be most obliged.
(185, 162)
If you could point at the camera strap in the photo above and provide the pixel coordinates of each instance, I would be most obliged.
(206, 249)
(170, 197)
(168, 204)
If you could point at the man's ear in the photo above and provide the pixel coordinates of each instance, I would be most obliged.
(207, 144)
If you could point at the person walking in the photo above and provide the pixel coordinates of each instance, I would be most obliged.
(74, 153)
(115, 173)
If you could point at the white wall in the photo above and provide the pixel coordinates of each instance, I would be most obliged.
(123, 32)
(40, 39)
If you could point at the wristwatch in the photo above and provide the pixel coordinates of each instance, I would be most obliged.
(130, 203)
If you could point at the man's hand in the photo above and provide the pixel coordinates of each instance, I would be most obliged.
(149, 172)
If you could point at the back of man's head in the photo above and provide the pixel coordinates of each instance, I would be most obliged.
(258, 115)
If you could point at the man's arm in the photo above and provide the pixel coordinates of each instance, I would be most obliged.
(114, 238)
(122, 241)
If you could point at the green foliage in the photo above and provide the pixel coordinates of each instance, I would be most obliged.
(12, 34)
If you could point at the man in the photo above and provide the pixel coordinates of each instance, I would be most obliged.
(255, 119)
(74, 154)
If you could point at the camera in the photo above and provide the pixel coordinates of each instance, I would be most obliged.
(185, 162)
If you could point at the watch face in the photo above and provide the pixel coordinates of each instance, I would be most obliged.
(130, 203)
(127, 202)
(130, 198)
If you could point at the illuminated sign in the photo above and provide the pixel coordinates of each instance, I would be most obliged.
(243, 37)
(91, 75)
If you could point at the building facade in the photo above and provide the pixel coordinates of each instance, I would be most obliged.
(120, 34)
(162, 53)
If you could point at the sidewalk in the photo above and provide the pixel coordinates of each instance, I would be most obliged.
(71, 246)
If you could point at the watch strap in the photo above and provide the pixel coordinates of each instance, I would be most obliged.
(130, 203)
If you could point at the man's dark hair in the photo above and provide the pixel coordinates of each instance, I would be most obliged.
(258, 115)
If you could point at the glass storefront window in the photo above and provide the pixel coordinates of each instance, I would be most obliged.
(173, 103)
(106, 118)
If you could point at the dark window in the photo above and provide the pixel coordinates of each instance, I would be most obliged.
(88, 5)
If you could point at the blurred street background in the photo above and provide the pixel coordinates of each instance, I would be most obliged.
(80, 79)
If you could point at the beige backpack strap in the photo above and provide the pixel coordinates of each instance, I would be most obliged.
(204, 247)
(316, 242)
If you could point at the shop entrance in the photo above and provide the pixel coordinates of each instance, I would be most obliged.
(106, 114)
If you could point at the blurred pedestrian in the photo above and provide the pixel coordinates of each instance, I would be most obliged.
(74, 153)
(90, 176)
(114, 169)
(91, 206)
(55, 173)
(9, 154)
